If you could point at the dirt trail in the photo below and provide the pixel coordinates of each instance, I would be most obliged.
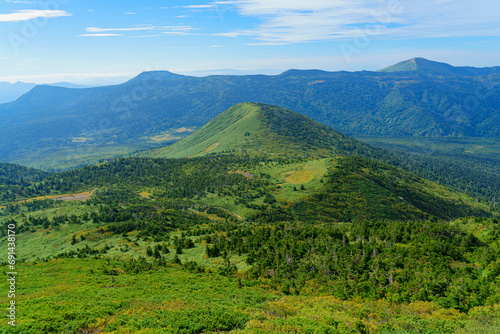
(231, 212)
(76, 197)
(246, 174)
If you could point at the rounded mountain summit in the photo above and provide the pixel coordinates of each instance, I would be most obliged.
(256, 128)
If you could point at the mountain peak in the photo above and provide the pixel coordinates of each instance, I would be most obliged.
(420, 65)
(263, 129)
(302, 73)
(428, 67)
(156, 76)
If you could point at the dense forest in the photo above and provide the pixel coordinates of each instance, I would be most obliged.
(11, 174)
(401, 261)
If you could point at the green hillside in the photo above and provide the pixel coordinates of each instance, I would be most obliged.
(263, 129)
(276, 231)
(14, 174)
(15, 180)
(251, 244)
(358, 189)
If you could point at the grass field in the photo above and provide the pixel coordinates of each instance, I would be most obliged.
(287, 176)
(76, 296)
(99, 295)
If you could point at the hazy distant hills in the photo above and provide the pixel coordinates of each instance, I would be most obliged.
(12, 91)
(413, 98)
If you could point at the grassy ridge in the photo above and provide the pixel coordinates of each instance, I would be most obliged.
(227, 131)
(286, 241)
(469, 165)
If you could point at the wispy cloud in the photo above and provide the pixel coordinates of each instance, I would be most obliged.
(19, 1)
(29, 14)
(295, 21)
(179, 33)
(197, 6)
(94, 29)
(156, 31)
(145, 36)
(178, 28)
(130, 13)
(172, 28)
(100, 35)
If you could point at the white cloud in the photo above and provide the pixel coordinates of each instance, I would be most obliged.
(179, 33)
(146, 36)
(19, 1)
(29, 14)
(295, 21)
(130, 13)
(267, 43)
(99, 35)
(167, 29)
(197, 6)
(177, 28)
(155, 31)
(94, 29)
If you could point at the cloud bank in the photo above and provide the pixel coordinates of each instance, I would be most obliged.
(295, 21)
(30, 14)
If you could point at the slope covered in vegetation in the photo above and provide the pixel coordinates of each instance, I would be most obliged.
(264, 129)
(278, 228)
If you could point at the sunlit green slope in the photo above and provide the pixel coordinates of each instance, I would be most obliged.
(260, 128)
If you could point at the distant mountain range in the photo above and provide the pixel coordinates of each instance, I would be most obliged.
(417, 97)
(12, 91)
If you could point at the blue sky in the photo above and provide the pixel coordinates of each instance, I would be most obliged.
(81, 41)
